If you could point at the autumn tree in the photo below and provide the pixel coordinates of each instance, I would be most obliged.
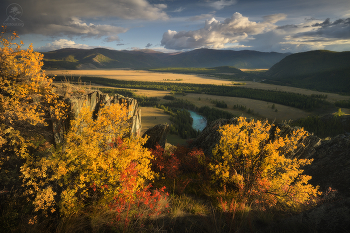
(26, 99)
(92, 158)
(250, 161)
(25, 91)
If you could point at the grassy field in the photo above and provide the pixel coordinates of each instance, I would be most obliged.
(141, 75)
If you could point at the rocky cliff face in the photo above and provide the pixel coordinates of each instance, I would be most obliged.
(95, 100)
(331, 165)
(156, 135)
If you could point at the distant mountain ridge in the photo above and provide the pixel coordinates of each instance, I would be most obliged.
(71, 58)
(321, 70)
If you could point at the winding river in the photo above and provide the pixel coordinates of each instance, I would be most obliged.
(199, 122)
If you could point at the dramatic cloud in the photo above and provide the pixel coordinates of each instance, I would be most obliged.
(62, 43)
(148, 45)
(218, 5)
(216, 34)
(339, 29)
(83, 17)
(310, 35)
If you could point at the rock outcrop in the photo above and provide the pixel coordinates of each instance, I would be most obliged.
(95, 100)
(306, 147)
(210, 136)
(331, 165)
(330, 217)
(157, 135)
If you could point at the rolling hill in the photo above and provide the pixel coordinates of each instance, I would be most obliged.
(320, 70)
(100, 58)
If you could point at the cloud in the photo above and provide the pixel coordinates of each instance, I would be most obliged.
(124, 9)
(238, 32)
(112, 38)
(218, 5)
(179, 9)
(274, 18)
(201, 17)
(76, 27)
(276, 41)
(84, 17)
(216, 34)
(148, 45)
(164, 50)
(312, 34)
(63, 43)
(339, 29)
(120, 44)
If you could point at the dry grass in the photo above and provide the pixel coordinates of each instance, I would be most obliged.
(153, 116)
(141, 75)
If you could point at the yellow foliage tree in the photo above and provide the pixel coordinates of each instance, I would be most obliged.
(25, 91)
(92, 158)
(250, 160)
(26, 96)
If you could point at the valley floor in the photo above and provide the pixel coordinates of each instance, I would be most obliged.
(260, 109)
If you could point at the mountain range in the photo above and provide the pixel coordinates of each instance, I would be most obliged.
(100, 58)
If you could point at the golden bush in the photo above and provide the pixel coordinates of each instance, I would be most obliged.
(252, 163)
(92, 158)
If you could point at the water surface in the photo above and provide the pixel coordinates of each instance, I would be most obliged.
(199, 122)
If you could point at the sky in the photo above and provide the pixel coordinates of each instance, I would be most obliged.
(180, 25)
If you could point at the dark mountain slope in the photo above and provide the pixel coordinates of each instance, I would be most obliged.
(309, 63)
(318, 70)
